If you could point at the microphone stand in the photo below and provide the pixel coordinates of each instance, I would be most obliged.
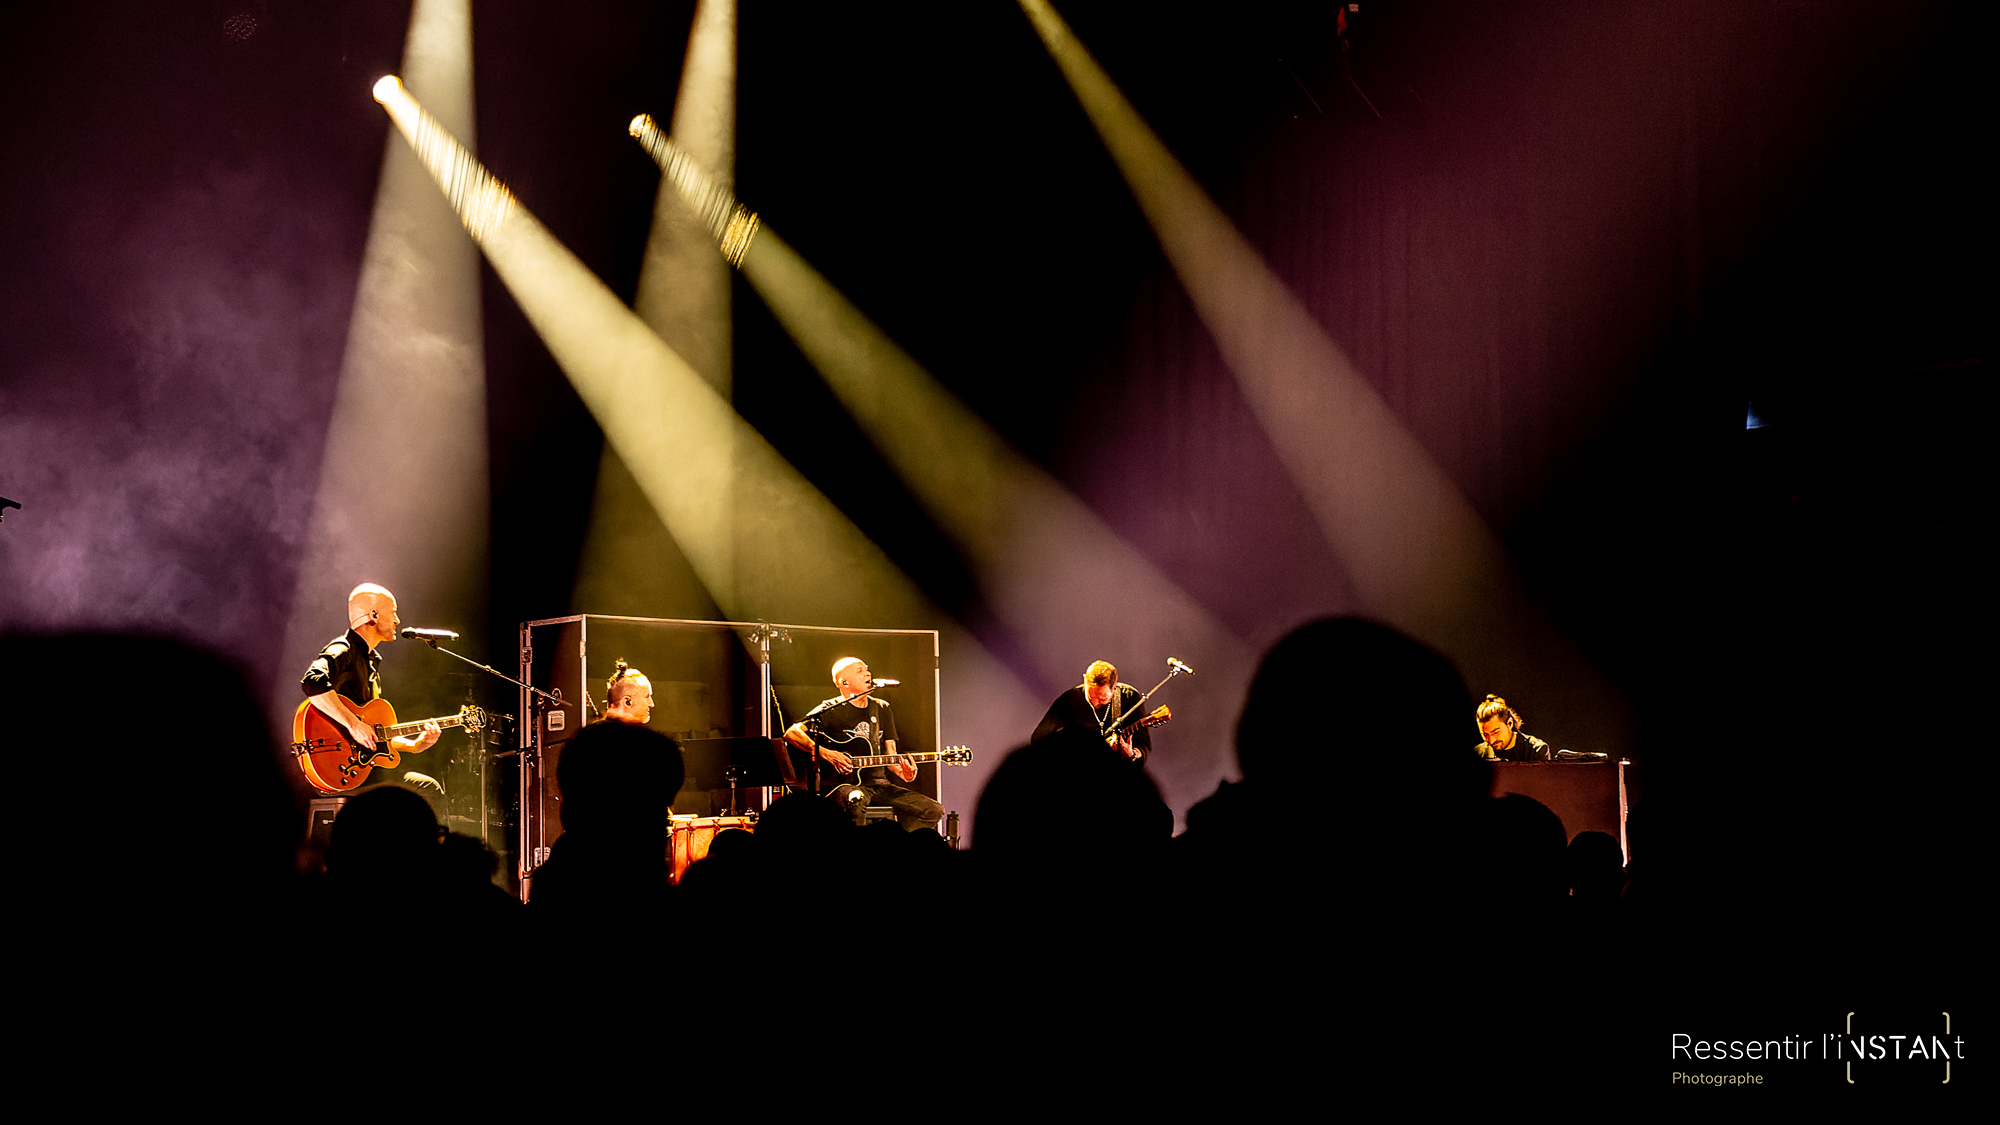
(529, 756)
(546, 697)
(1119, 724)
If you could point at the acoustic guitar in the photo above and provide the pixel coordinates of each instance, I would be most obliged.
(331, 760)
(949, 756)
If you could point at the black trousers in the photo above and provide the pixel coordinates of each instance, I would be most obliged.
(913, 809)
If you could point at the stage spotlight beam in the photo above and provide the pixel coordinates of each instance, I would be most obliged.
(691, 454)
(1417, 552)
(403, 497)
(1054, 573)
(629, 562)
(683, 291)
(1049, 565)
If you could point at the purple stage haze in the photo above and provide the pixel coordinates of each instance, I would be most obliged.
(179, 272)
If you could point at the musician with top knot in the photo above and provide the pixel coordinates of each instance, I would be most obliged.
(628, 696)
(1501, 736)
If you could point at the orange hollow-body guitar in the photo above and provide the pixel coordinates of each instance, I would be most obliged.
(334, 764)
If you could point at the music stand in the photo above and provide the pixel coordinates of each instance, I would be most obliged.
(732, 763)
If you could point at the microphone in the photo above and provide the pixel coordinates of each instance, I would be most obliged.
(1177, 666)
(432, 635)
(881, 682)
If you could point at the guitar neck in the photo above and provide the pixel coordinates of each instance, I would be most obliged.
(892, 759)
(402, 730)
(1159, 716)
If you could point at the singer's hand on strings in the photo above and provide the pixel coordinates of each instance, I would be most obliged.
(904, 768)
(840, 762)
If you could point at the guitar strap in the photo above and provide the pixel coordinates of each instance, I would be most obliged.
(1118, 723)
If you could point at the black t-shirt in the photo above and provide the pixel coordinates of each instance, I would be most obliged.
(846, 728)
(1072, 709)
(346, 665)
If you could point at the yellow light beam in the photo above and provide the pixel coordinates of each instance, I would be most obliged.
(629, 562)
(1067, 585)
(1417, 552)
(403, 495)
(683, 291)
(691, 454)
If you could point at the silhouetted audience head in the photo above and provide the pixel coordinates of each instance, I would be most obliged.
(1521, 852)
(390, 862)
(386, 830)
(154, 873)
(232, 823)
(618, 778)
(606, 876)
(1359, 791)
(1596, 867)
(730, 843)
(1072, 796)
(1351, 696)
(802, 824)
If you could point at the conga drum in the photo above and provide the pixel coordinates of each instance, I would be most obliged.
(693, 834)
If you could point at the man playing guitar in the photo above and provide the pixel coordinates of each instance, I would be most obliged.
(851, 726)
(1095, 704)
(350, 668)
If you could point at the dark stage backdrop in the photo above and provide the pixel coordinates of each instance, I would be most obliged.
(1690, 298)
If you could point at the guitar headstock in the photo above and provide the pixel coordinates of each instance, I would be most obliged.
(955, 756)
(1159, 715)
(473, 719)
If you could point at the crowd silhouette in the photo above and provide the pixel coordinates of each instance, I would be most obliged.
(1334, 899)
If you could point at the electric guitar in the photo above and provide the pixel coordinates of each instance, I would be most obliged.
(331, 760)
(1161, 715)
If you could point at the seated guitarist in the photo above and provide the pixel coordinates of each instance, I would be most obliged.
(847, 728)
(349, 668)
(1094, 705)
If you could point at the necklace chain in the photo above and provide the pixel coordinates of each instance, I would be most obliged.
(1100, 716)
